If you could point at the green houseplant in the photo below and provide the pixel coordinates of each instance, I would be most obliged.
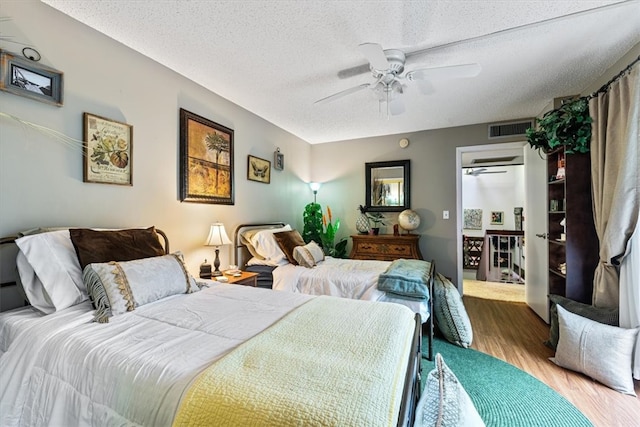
(323, 231)
(378, 219)
(312, 219)
(568, 126)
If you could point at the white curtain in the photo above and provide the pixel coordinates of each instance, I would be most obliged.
(630, 294)
(615, 179)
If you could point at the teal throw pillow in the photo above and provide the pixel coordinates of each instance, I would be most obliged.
(450, 315)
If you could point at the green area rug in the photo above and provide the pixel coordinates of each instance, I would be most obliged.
(504, 395)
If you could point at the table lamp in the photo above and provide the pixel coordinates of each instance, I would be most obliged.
(217, 237)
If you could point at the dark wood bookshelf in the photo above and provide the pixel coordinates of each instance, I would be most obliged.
(569, 197)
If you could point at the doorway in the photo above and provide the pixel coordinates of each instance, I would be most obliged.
(493, 178)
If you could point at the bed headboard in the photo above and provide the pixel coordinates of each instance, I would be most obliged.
(240, 252)
(11, 295)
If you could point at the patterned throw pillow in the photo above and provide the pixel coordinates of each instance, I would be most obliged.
(600, 351)
(444, 402)
(308, 255)
(118, 287)
(608, 316)
(450, 316)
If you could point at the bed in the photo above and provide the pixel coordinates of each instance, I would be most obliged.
(213, 354)
(270, 250)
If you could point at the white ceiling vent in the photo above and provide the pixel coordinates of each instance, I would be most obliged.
(503, 130)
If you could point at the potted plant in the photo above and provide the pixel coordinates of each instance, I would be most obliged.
(378, 219)
(568, 126)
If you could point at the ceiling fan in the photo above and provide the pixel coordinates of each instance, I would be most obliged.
(481, 171)
(387, 68)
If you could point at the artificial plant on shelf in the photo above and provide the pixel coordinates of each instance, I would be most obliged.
(568, 126)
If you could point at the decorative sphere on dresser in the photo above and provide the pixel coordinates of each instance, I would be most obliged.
(409, 220)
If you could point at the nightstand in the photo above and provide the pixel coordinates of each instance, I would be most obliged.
(247, 278)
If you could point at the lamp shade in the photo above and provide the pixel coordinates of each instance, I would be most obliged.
(217, 236)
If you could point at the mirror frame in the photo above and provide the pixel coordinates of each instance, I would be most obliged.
(406, 188)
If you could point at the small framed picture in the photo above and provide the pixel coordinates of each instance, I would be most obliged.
(258, 169)
(278, 160)
(497, 218)
(23, 77)
(107, 151)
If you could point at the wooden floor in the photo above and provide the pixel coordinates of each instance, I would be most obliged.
(512, 332)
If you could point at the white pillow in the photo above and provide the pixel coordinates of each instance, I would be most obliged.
(49, 271)
(118, 287)
(600, 351)
(267, 247)
(261, 261)
(308, 255)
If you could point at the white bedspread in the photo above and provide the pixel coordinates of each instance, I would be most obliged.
(345, 278)
(132, 370)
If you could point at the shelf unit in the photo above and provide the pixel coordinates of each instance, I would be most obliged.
(569, 198)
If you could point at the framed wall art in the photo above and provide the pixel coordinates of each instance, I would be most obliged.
(107, 151)
(472, 219)
(258, 169)
(30, 79)
(497, 218)
(206, 160)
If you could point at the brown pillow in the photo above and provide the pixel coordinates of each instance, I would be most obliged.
(115, 245)
(288, 240)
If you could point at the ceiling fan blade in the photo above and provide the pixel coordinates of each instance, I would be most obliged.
(342, 93)
(354, 71)
(425, 87)
(446, 72)
(375, 55)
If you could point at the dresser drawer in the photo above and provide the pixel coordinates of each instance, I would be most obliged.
(385, 247)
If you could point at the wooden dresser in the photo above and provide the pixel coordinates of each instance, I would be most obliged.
(385, 247)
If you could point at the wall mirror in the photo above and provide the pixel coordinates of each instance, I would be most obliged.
(388, 186)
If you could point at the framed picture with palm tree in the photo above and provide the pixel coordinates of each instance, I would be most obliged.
(206, 160)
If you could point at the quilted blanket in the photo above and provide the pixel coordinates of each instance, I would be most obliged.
(407, 278)
(300, 372)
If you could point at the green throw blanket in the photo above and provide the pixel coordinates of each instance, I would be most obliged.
(406, 278)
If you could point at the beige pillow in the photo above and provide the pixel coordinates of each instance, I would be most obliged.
(600, 351)
(308, 255)
(444, 402)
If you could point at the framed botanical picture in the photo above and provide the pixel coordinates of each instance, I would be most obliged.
(27, 78)
(259, 169)
(497, 218)
(206, 160)
(278, 160)
(107, 151)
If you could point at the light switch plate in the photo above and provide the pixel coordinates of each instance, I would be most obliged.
(445, 214)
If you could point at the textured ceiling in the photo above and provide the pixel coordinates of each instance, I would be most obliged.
(276, 58)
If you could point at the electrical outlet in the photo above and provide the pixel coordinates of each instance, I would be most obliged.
(445, 214)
